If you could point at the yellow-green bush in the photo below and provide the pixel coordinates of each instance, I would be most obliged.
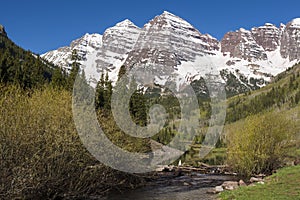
(41, 153)
(259, 144)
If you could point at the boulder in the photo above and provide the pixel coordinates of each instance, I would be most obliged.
(242, 183)
(297, 162)
(219, 189)
(186, 184)
(255, 180)
(230, 185)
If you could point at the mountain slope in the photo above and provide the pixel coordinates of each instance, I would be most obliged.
(22, 67)
(282, 93)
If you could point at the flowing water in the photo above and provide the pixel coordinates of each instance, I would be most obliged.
(193, 186)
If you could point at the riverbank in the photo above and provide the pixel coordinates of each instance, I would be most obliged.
(284, 184)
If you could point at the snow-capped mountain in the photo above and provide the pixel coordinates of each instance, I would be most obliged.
(117, 42)
(173, 47)
(85, 45)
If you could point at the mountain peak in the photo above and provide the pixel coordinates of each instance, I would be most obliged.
(167, 13)
(125, 23)
(243, 30)
(295, 23)
(269, 24)
(169, 19)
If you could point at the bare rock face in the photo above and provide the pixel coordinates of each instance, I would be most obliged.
(267, 36)
(255, 45)
(290, 41)
(241, 44)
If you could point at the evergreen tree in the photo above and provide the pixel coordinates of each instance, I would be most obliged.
(99, 101)
(74, 70)
(82, 88)
(59, 78)
(122, 71)
(107, 92)
(137, 105)
(18, 66)
(103, 93)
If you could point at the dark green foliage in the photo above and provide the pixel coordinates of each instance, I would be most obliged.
(237, 85)
(164, 136)
(103, 93)
(99, 97)
(107, 92)
(200, 88)
(59, 78)
(122, 71)
(21, 67)
(137, 105)
(74, 70)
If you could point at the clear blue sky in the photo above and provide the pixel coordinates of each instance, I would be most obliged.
(43, 25)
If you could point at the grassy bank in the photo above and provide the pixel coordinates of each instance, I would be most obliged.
(285, 184)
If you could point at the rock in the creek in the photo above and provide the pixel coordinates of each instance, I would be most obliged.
(230, 185)
(255, 180)
(186, 184)
(219, 189)
(160, 168)
(211, 191)
(194, 183)
(215, 190)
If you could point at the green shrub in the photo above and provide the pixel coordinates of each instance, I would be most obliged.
(259, 144)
